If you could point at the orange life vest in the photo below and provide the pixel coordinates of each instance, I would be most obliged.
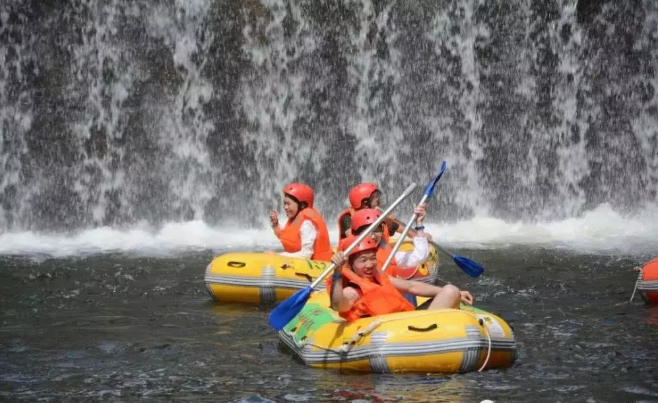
(375, 298)
(383, 251)
(291, 240)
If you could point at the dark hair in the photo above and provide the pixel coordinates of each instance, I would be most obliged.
(367, 202)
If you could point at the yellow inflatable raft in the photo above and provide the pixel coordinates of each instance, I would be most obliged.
(261, 278)
(439, 341)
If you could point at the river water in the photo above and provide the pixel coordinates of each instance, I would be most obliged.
(125, 327)
(139, 138)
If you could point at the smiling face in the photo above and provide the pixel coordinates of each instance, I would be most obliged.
(290, 206)
(364, 263)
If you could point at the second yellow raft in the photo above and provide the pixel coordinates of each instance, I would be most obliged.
(262, 278)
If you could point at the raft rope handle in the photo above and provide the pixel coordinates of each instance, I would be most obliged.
(637, 282)
(486, 330)
(361, 333)
(346, 345)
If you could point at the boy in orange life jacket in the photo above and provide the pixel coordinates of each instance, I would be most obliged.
(363, 195)
(362, 219)
(359, 289)
(305, 233)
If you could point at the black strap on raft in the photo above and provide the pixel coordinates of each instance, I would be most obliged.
(423, 329)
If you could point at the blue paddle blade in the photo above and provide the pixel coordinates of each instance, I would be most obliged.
(430, 187)
(469, 267)
(288, 309)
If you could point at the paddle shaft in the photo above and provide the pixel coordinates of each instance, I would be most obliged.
(442, 249)
(468, 266)
(397, 245)
(367, 232)
(412, 233)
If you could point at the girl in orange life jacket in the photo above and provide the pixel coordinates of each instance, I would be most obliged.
(363, 195)
(358, 289)
(305, 234)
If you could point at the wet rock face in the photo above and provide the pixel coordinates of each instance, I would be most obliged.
(112, 114)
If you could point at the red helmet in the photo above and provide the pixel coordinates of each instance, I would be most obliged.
(301, 192)
(366, 244)
(361, 192)
(363, 217)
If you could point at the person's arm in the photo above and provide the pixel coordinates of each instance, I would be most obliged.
(420, 210)
(342, 298)
(308, 233)
(394, 227)
(274, 223)
(416, 288)
(415, 257)
(421, 289)
(421, 246)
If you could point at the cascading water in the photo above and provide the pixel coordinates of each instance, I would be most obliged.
(16, 113)
(130, 115)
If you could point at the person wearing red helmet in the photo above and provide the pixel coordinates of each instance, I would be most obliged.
(362, 219)
(305, 233)
(363, 195)
(358, 289)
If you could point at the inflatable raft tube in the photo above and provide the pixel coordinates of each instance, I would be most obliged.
(262, 278)
(647, 281)
(425, 341)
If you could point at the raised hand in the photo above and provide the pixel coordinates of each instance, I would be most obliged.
(274, 218)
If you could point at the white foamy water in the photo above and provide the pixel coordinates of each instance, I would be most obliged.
(601, 231)
(598, 231)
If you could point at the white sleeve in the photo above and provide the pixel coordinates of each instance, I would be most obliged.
(415, 257)
(308, 233)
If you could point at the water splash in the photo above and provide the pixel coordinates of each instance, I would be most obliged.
(601, 231)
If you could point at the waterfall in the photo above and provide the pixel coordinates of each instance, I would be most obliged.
(122, 113)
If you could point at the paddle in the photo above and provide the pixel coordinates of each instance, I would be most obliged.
(428, 192)
(468, 266)
(289, 308)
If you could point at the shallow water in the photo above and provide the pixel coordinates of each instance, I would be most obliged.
(122, 328)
